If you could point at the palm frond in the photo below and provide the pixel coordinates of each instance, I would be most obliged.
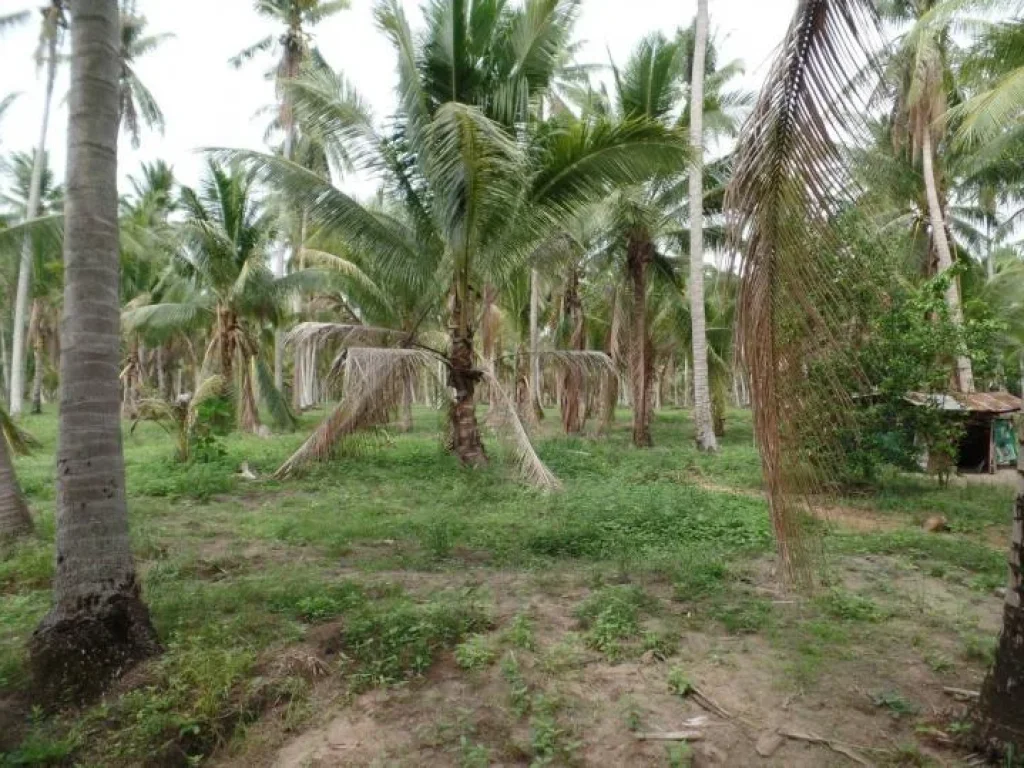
(21, 442)
(504, 418)
(271, 397)
(788, 191)
(375, 382)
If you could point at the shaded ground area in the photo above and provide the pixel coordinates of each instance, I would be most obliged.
(393, 609)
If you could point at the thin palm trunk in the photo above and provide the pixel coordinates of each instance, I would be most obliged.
(1001, 707)
(19, 353)
(702, 415)
(98, 626)
(15, 519)
(38, 354)
(6, 360)
(536, 409)
(572, 421)
(639, 369)
(965, 373)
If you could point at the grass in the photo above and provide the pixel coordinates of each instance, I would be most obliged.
(243, 578)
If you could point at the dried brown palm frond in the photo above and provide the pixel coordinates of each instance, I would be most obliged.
(375, 381)
(586, 363)
(509, 429)
(344, 334)
(789, 192)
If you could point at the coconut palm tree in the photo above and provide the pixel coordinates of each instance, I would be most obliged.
(98, 626)
(222, 283)
(480, 196)
(46, 262)
(54, 24)
(919, 78)
(695, 287)
(137, 103)
(293, 52)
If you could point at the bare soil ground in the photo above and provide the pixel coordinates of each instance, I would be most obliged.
(878, 697)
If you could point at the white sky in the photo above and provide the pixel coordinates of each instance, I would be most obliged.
(208, 103)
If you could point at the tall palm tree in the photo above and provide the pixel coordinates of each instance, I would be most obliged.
(137, 105)
(294, 51)
(54, 23)
(98, 626)
(695, 287)
(919, 75)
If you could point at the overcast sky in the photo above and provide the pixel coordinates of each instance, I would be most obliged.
(208, 103)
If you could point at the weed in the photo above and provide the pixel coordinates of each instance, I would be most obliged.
(743, 616)
(473, 755)
(979, 648)
(389, 643)
(611, 616)
(679, 756)
(520, 633)
(548, 740)
(846, 606)
(678, 683)
(661, 645)
(894, 702)
(518, 690)
(475, 652)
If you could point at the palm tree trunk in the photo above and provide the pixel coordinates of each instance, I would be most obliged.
(463, 378)
(638, 253)
(248, 410)
(536, 411)
(38, 354)
(15, 519)
(572, 421)
(1001, 708)
(98, 626)
(25, 269)
(6, 361)
(702, 416)
(965, 372)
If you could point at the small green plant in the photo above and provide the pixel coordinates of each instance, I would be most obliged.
(518, 690)
(678, 683)
(548, 740)
(744, 616)
(317, 608)
(679, 756)
(978, 648)
(611, 616)
(631, 713)
(661, 645)
(475, 652)
(846, 606)
(520, 633)
(473, 755)
(894, 702)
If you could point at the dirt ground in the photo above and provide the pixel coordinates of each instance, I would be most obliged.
(751, 695)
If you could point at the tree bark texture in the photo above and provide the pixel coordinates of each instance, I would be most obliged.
(1001, 707)
(35, 333)
(98, 626)
(702, 415)
(463, 378)
(536, 410)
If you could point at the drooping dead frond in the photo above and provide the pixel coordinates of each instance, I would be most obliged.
(375, 381)
(342, 334)
(586, 363)
(788, 193)
(507, 425)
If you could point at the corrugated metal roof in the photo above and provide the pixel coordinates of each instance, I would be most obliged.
(976, 402)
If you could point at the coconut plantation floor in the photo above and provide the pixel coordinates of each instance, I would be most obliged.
(392, 609)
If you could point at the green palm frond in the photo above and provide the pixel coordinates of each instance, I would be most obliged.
(20, 442)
